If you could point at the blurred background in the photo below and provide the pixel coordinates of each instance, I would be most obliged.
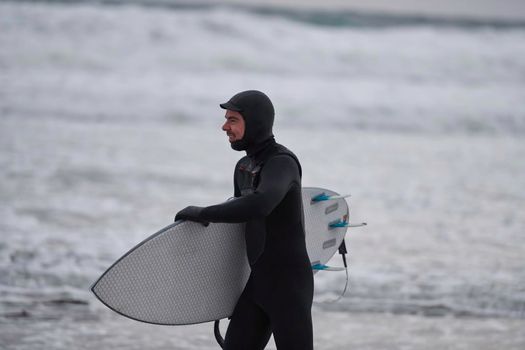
(109, 124)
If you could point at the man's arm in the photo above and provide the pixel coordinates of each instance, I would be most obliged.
(276, 178)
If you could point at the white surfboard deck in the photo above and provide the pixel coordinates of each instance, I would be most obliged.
(188, 273)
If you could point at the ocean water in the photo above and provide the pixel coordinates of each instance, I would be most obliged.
(109, 124)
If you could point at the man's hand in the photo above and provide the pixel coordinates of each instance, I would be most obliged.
(191, 213)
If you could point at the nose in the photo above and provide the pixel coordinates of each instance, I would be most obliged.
(225, 126)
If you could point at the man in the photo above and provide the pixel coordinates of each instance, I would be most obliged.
(267, 189)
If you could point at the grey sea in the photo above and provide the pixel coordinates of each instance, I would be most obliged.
(110, 124)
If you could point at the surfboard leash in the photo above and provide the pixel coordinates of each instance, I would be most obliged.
(343, 251)
(217, 333)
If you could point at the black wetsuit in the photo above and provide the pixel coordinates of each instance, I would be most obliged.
(278, 296)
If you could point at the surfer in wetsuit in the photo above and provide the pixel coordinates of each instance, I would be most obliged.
(267, 189)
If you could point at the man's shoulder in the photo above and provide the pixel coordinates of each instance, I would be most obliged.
(281, 150)
(284, 153)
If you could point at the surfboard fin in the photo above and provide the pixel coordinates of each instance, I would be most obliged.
(343, 223)
(321, 267)
(324, 197)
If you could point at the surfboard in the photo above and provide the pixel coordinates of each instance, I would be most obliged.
(187, 273)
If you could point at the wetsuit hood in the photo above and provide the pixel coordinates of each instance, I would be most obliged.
(258, 113)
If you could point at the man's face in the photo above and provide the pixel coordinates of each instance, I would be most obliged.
(234, 125)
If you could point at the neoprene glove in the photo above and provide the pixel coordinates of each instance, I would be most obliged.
(191, 213)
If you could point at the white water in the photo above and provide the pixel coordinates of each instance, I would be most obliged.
(109, 124)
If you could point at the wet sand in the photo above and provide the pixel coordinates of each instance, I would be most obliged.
(333, 330)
